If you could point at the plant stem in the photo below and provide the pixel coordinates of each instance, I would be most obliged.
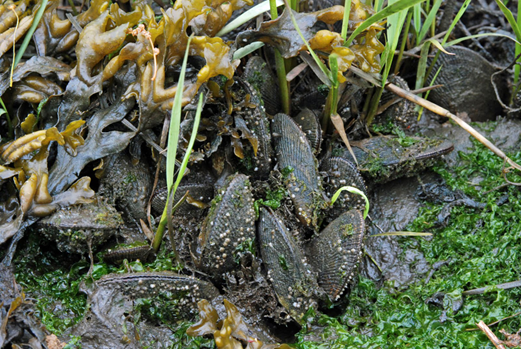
(373, 107)
(281, 68)
(30, 32)
(404, 41)
(345, 19)
(9, 124)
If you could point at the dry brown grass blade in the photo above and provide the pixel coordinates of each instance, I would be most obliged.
(497, 343)
(336, 120)
(444, 112)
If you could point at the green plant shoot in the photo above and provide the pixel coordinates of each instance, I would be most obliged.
(354, 191)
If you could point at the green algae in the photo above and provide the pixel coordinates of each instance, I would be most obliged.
(482, 247)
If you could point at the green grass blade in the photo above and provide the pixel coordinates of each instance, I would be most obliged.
(246, 16)
(456, 20)
(510, 18)
(422, 65)
(354, 191)
(402, 233)
(173, 139)
(322, 66)
(246, 50)
(30, 32)
(429, 20)
(396, 22)
(417, 18)
(345, 19)
(195, 127)
(388, 11)
(457, 41)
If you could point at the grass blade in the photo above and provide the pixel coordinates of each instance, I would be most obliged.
(173, 139)
(354, 191)
(389, 10)
(246, 50)
(345, 19)
(457, 41)
(29, 34)
(246, 16)
(429, 20)
(402, 233)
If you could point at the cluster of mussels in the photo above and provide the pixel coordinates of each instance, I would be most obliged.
(106, 77)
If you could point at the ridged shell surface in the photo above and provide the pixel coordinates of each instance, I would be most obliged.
(340, 173)
(259, 75)
(288, 271)
(258, 124)
(187, 289)
(200, 190)
(299, 167)
(465, 77)
(385, 158)
(230, 222)
(336, 252)
(309, 124)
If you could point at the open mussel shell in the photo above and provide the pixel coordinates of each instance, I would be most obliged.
(291, 276)
(310, 125)
(258, 74)
(299, 168)
(336, 252)
(340, 173)
(385, 158)
(230, 222)
(465, 77)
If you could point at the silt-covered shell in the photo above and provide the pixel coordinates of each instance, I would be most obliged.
(77, 227)
(336, 252)
(465, 76)
(200, 187)
(385, 158)
(340, 173)
(186, 289)
(252, 121)
(230, 222)
(257, 73)
(299, 168)
(288, 271)
(310, 125)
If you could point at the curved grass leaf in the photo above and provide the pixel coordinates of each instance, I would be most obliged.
(457, 41)
(354, 191)
(388, 11)
(246, 16)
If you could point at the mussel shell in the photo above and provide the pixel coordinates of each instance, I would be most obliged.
(340, 173)
(258, 74)
(76, 227)
(230, 222)
(199, 185)
(467, 88)
(146, 284)
(402, 112)
(336, 252)
(385, 158)
(254, 119)
(299, 167)
(291, 276)
(310, 125)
